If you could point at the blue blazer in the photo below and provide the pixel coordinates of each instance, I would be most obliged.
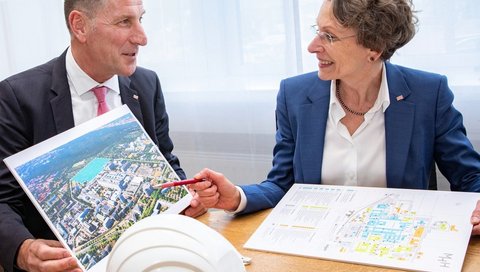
(36, 105)
(420, 129)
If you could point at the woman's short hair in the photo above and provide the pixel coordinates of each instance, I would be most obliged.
(381, 25)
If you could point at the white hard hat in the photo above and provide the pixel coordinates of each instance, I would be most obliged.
(172, 242)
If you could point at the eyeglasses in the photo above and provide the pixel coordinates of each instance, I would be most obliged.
(325, 36)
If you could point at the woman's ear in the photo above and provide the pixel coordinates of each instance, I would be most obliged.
(373, 55)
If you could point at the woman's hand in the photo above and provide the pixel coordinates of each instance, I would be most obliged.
(216, 191)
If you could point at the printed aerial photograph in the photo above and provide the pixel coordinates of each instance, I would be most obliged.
(96, 186)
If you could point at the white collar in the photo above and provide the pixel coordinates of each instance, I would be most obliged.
(83, 83)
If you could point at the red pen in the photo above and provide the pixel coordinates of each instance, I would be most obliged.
(181, 182)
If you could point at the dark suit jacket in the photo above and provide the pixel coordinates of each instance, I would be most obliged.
(36, 105)
(421, 127)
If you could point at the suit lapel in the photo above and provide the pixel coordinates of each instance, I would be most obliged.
(399, 118)
(130, 97)
(61, 102)
(312, 121)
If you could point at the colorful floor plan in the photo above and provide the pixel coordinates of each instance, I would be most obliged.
(407, 229)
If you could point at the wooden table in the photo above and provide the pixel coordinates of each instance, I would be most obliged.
(238, 229)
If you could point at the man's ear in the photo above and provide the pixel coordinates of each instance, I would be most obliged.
(78, 25)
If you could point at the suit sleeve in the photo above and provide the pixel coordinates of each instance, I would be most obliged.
(280, 178)
(12, 228)
(454, 154)
(165, 143)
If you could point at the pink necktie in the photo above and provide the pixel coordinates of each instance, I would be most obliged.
(100, 93)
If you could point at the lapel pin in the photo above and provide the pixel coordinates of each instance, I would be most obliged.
(136, 97)
(400, 97)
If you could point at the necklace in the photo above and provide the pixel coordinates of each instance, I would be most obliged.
(343, 103)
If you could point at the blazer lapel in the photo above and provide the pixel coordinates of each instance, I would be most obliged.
(399, 118)
(61, 103)
(312, 122)
(130, 97)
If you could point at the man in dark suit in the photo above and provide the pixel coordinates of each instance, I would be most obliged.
(51, 98)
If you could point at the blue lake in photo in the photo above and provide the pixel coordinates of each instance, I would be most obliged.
(91, 170)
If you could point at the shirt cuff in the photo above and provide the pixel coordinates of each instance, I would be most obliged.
(243, 202)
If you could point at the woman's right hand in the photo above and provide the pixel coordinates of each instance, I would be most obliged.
(216, 191)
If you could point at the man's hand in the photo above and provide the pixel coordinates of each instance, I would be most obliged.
(475, 219)
(45, 255)
(196, 208)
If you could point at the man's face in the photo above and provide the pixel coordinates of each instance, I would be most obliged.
(113, 38)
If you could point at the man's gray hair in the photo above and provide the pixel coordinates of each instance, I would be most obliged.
(89, 7)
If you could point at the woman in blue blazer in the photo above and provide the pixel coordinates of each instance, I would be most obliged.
(360, 120)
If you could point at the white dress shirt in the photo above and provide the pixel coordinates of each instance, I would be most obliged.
(84, 102)
(358, 159)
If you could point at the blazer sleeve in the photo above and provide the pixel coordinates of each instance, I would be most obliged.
(12, 229)
(454, 154)
(280, 178)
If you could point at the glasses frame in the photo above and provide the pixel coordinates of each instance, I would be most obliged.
(325, 36)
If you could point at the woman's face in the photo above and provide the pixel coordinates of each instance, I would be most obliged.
(340, 57)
